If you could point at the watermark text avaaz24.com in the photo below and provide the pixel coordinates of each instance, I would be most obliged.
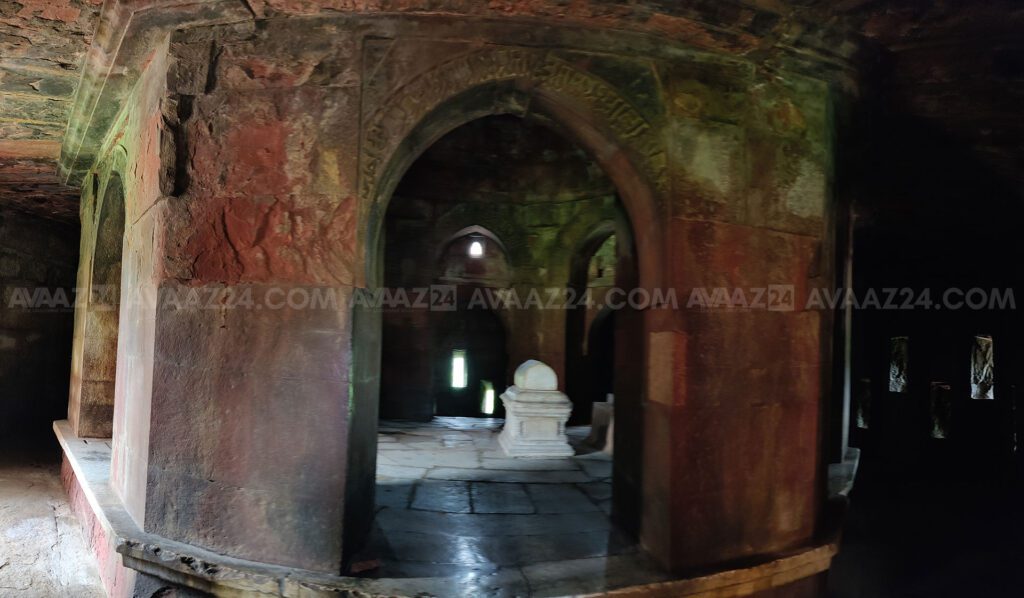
(784, 298)
(447, 297)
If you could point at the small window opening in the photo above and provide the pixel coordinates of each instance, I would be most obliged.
(476, 249)
(898, 362)
(982, 366)
(487, 404)
(460, 373)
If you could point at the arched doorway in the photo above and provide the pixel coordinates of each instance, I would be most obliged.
(590, 328)
(95, 364)
(470, 354)
(520, 189)
(441, 354)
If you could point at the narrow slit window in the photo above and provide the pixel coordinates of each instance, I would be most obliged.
(898, 363)
(476, 249)
(460, 373)
(487, 402)
(982, 369)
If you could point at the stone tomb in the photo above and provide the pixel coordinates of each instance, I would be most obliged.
(535, 414)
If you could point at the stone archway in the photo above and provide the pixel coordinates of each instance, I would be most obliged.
(94, 362)
(528, 84)
(578, 371)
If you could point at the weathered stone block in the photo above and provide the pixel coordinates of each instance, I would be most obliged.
(709, 170)
(730, 257)
(307, 238)
(535, 414)
(263, 473)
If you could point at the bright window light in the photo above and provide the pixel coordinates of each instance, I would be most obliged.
(460, 375)
(898, 363)
(982, 366)
(476, 249)
(488, 403)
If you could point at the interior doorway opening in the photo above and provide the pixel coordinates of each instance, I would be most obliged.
(590, 329)
(490, 223)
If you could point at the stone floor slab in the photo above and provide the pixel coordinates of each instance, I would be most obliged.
(42, 549)
(400, 471)
(597, 490)
(491, 497)
(470, 521)
(560, 498)
(508, 476)
(394, 494)
(488, 524)
(596, 468)
(521, 550)
(441, 457)
(443, 496)
(437, 548)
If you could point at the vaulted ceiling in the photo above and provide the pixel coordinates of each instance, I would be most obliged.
(42, 46)
(959, 65)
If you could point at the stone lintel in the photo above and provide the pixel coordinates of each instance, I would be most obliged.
(126, 36)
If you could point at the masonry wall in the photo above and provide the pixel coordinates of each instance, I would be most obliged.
(262, 206)
(263, 163)
(37, 264)
(748, 211)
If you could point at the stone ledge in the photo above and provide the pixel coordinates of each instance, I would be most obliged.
(185, 564)
(194, 567)
(749, 581)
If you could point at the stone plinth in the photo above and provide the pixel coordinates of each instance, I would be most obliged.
(535, 414)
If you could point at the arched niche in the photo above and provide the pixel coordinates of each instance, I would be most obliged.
(94, 371)
(567, 117)
(474, 255)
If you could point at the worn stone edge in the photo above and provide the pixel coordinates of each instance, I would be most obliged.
(188, 565)
(743, 581)
(221, 575)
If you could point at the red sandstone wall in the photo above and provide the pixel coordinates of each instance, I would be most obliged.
(264, 206)
(735, 393)
(278, 145)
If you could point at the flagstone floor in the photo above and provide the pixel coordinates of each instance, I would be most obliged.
(43, 552)
(457, 517)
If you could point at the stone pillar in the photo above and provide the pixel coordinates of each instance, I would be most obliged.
(731, 446)
(535, 414)
(91, 397)
(236, 435)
